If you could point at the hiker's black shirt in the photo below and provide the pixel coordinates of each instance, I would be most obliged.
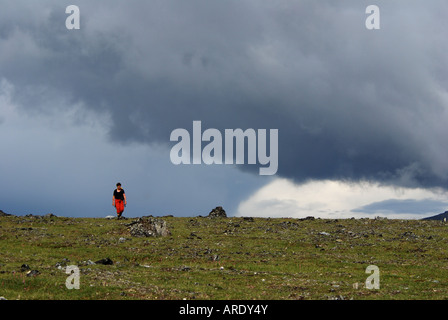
(119, 195)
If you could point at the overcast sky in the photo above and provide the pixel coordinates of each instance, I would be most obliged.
(361, 114)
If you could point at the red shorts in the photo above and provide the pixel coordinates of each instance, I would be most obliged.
(119, 205)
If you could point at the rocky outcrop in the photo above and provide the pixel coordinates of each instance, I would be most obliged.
(148, 227)
(218, 212)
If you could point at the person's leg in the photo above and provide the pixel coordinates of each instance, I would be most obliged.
(119, 204)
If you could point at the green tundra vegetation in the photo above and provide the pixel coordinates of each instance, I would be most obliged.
(223, 259)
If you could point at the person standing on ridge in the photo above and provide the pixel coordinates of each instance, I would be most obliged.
(119, 200)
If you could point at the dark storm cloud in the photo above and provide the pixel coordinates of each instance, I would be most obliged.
(349, 103)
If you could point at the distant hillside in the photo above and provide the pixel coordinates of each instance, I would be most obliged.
(440, 216)
(3, 214)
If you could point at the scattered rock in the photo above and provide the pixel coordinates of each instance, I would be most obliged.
(3, 298)
(32, 273)
(24, 267)
(288, 224)
(109, 217)
(194, 235)
(62, 263)
(409, 235)
(248, 219)
(218, 212)
(149, 227)
(40, 217)
(106, 261)
(307, 218)
(87, 263)
(339, 297)
(184, 268)
(215, 257)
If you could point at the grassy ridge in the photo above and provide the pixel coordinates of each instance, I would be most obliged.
(225, 258)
